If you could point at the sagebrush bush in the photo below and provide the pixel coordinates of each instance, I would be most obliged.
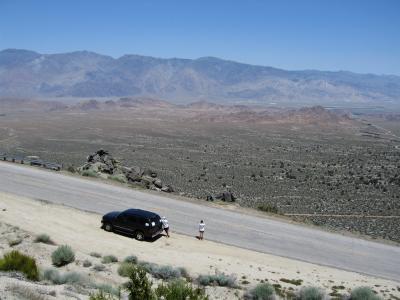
(119, 178)
(262, 291)
(95, 254)
(219, 279)
(180, 290)
(99, 267)
(270, 208)
(108, 289)
(109, 259)
(89, 173)
(15, 241)
(125, 269)
(311, 293)
(62, 256)
(56, 277)
(43, 238)
(363, 293)
(16, 261)
(101, 295)
(87, 263)
(131, 259)
(162, 272)
(139, 286)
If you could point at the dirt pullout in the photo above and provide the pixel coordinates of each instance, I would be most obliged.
(81, 230)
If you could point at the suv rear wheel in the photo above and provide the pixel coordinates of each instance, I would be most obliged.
(139, 235)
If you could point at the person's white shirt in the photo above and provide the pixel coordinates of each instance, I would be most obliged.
(164, 222)
(202, 226)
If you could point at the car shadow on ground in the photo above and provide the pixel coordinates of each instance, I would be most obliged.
(149, 240)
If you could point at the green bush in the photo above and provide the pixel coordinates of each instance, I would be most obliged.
(139, 286)
(131, 259)
(95, 254)
(262, 291)
(16, 261)
(125, 269)
(219, 279)
(363, 293)
(109, 259)
(87, 263)
(101, 295)
(311, 293)
(62, 256)
(180, 290)
(43, 238)
(56, 277)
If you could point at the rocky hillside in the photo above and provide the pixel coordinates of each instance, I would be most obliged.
(86, 74)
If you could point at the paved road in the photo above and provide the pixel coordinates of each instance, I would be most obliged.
(256, 233)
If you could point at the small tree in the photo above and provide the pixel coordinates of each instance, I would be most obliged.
(139, 286)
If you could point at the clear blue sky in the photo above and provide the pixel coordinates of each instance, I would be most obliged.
(360, 35)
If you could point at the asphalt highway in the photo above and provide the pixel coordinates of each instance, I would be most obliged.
(244, 230)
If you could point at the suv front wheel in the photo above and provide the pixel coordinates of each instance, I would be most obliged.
(107, 227)
(139, 235)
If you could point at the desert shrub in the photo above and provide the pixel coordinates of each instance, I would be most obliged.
(71, 169)
(99, 267)
(180, 290)
(24, 292)
(266, 207)
(16, 261)
(108, 289)
(184, 272)
(262, 291)
(56, 277)
(95, 254)
(43, 238)
(139, 286)
(109, 259)
(89, 173)
(311, 293)
(131, 259)
(161, 272)
(101, 295)
(166, 272)
(62, 256)
(363, 293)
(219, 279)
(15, 241)
(87, 263)
(119, 178)
(125, 269)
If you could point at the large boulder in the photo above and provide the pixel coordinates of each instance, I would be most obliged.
(158, 183)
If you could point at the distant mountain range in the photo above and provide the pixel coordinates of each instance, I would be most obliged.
(85, 74)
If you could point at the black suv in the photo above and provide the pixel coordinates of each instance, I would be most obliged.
(139, 223)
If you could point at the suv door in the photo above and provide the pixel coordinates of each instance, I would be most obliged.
(121, 222)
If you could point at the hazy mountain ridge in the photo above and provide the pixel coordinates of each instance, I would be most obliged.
(26, 73)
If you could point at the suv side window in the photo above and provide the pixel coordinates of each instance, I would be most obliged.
(122, 217)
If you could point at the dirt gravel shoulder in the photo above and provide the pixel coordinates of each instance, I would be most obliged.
(81, 230)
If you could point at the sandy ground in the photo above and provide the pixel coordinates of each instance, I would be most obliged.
(81, 230)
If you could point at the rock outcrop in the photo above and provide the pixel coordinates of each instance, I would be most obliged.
(102, 164)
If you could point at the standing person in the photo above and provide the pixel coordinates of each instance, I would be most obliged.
(165, 225)
(202, 226)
